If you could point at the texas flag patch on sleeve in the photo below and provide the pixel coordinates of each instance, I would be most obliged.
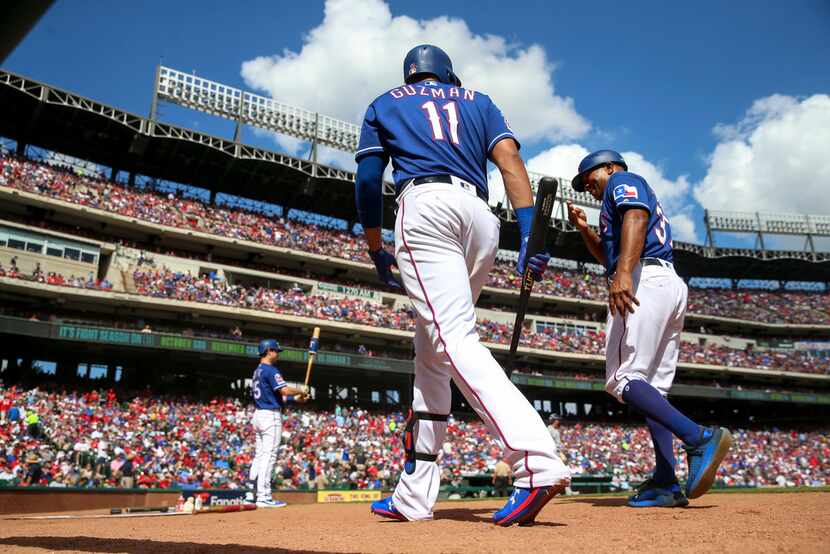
(625, 192)
(279, 382)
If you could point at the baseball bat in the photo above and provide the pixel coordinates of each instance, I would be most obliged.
(161, 509)
(542, 209)
(312, 354)
(227, 508)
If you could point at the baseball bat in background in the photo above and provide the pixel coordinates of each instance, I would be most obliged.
(542, 209)
(162, 509)
(226, 509)
(312, 354)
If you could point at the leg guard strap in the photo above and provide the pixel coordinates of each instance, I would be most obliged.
(409, 439)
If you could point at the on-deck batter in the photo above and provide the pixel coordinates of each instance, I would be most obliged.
(439, 137)
(270, 393)
(646, 307)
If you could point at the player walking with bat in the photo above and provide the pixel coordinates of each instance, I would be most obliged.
(440, 136)
(545, 196)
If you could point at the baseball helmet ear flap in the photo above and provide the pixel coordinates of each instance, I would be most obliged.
(453, 78)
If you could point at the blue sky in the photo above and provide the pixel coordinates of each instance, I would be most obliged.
(655, 79)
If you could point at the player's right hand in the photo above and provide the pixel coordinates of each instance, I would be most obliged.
(383, 264)
(621, 296)
(537, 263)
(577, 217)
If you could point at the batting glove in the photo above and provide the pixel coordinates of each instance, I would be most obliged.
(537, 263)
(383, 264)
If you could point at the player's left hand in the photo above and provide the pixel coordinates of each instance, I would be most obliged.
(383, 264)
(537, 263)
(621, 299)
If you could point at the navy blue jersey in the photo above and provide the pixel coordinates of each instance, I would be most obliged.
(431, 128)
(628, 190)
(265, 385)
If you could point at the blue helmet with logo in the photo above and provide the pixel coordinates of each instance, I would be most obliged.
(430, 59)
(593, 161)
(268, 344)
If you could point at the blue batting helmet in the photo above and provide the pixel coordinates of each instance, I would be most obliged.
(427, 58)
(268, 344)
(593, 161)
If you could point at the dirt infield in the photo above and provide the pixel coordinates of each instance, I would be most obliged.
(734, 522)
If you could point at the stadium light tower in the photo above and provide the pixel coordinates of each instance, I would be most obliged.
(246, 108)
(761, 225)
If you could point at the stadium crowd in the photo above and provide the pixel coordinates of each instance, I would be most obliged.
(53, 278)
(94, 439)
(184, 286)
(164, 283)
(171, 210)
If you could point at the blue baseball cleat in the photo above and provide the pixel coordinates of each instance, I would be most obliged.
(652, 495)
(704, 460)
(524, 504)
(385, 508)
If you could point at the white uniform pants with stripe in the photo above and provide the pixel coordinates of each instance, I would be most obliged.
(645, 345)
(445, 245)
(268, 430)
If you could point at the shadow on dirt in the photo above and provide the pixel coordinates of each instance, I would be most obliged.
(133, 546)
(621, 501)
(479, 515)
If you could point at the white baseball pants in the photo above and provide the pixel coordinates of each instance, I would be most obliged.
(645, 345)
(445, 245)
(268, 429)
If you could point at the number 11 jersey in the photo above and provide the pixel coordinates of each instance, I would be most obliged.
(431, 128)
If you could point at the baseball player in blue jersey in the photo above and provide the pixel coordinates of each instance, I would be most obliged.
(270, 393)
(439, 137)
(646, 307)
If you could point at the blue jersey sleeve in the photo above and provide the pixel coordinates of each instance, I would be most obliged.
(274, 379)
(369, 135)
(497, 127)
(630, 191)
(278, 382)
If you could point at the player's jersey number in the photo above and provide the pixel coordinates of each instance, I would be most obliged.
(662, 221)
(257, 390)
(432, 111)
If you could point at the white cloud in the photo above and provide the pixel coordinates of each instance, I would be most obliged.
(774, 160)
(559, 161)
(357, 51)
(683, 228)
(672, 193)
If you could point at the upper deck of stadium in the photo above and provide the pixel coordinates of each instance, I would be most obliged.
(34, 113)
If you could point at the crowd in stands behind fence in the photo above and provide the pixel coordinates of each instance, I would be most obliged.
(93, 439)
(164, 283)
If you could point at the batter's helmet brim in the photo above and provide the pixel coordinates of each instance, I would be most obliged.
(576, 182)
(593, 161)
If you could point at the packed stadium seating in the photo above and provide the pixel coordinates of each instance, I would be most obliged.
(169, 284)
(176, 211)
(94, 439)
